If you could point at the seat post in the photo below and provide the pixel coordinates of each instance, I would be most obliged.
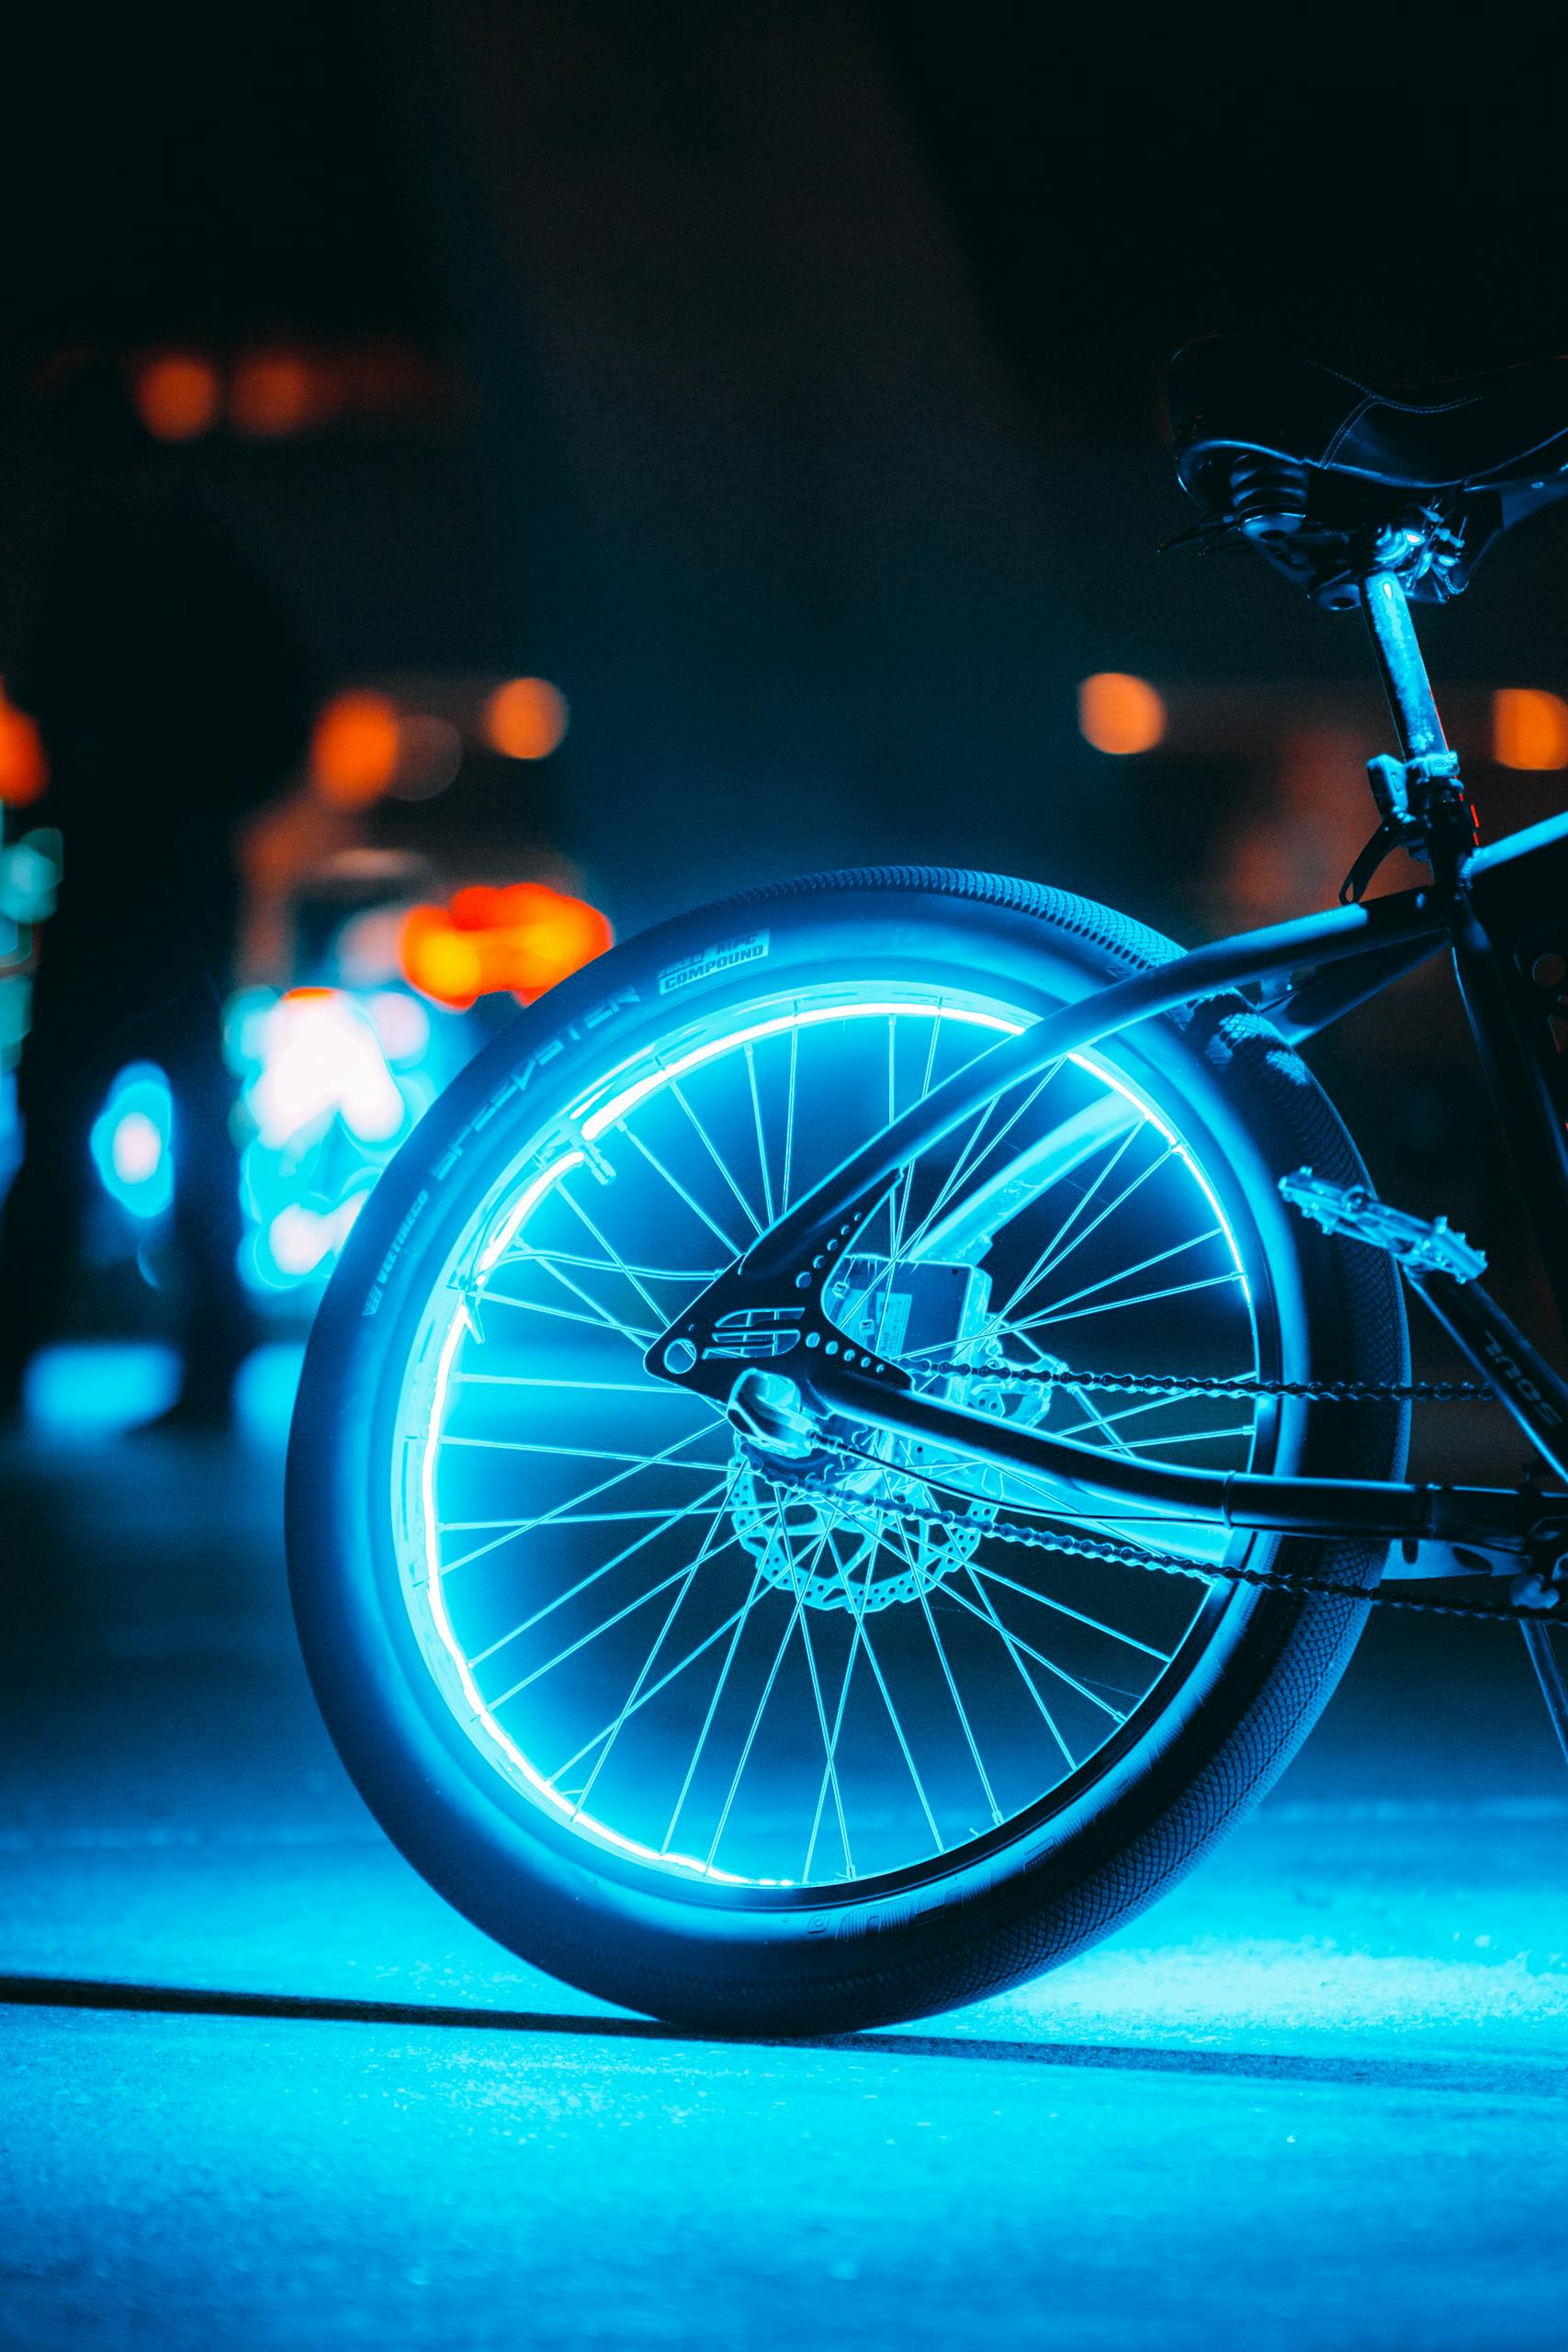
(1403, 670)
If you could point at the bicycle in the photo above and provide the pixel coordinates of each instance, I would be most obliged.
(858, 1435)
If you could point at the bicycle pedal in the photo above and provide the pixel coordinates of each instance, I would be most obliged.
(1355, 1211)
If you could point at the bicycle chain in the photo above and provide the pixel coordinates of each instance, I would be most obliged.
(1077, 1546)
(1148, 1384)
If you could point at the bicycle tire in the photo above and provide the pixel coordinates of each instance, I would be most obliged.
(845, 1956)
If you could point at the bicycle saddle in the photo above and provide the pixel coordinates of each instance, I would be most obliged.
(1329, 477)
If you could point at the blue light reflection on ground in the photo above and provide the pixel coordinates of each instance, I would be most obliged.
(1292, 2104)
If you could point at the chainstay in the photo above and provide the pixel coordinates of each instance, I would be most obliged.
(1077, 1545)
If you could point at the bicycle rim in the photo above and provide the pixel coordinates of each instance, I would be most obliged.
(744, 1693)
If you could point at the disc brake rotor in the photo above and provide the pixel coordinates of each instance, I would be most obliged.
(875, 1539)
(868, 1544)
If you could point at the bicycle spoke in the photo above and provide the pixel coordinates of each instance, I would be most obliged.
(578, 1453)
(871, 1660)
(822, 1725)
(583, 1640)
(1096, 1624)
(680, 1190)
(1114, 1306)
(589, 1494)
(637, 1276)
(968, 1167)
(672, 1674)
(967, 1164)
(717, 1157)
(762, 1145)
(830, 1771)
(962, 1717)
(1029, 1682)
(906, 1189)
(1096, 1419)
(1053, 1254)
(1116, 1713)
(610, 1264)
(1189, 1437)
(740, 1622)
(641, 1340)
(1125, 1273)
(789, 1117)
(757, 1712)
(662, 1528)
(648, 1663)
(613, 1322)
(596, 1387)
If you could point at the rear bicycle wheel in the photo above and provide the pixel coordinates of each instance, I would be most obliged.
(709, 1746)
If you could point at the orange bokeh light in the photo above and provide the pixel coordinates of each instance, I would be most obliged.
(1529, 729)
(522, 939)
(24, 766)
(272, 393)
(526, 719)
(176, 396)
(1120, 713)
(355, 748)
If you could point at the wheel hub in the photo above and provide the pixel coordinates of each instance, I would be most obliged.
(868, 1537)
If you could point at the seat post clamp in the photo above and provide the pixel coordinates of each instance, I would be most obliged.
(1408, 793)
(1403, 788)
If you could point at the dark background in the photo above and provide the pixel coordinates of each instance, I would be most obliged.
(792, 398)
(803, 371)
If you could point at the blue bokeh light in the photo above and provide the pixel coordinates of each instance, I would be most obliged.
(132, 1142)
(332, 1080)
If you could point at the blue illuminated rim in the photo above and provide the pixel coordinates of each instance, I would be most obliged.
(494, 1234)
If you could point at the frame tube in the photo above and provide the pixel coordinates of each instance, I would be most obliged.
(1241, 1499)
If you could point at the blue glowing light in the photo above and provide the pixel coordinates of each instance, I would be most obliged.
(94, 1390)
(263, 1390)
(132, 1142)
(332, 1080)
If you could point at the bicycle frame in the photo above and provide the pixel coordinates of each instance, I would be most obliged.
(1501, 913)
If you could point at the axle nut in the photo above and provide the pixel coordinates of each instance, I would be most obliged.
(679, 1356)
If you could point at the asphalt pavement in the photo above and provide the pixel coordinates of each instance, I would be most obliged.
(260, 2086)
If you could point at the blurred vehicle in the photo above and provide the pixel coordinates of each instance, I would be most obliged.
(379, 950)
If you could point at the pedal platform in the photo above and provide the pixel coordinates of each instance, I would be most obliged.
(1355, 1211)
